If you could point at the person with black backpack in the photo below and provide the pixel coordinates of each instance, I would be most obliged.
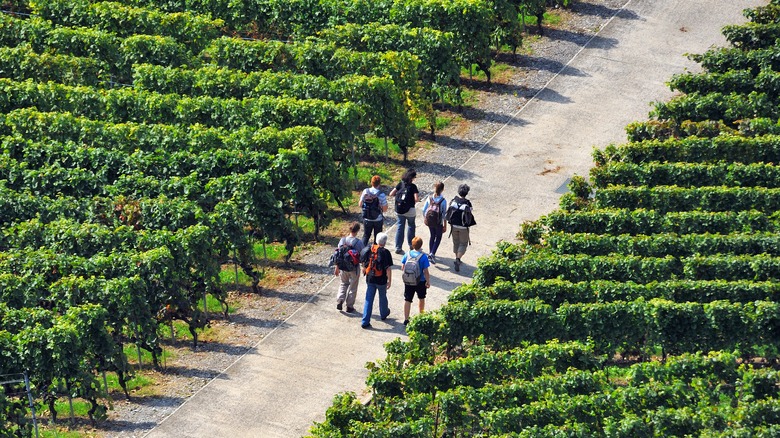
(460, 217)
(347, 262)
(416, 278)
(433, 214)
(406, 196)
(373, 203)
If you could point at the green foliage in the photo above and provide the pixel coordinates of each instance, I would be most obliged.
(672, 252)
(195, 31)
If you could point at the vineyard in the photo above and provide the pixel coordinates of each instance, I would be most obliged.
(647, 305)
(147, 143)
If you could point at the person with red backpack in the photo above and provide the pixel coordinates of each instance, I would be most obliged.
(348, 267)
(377, 262)
(433, 215)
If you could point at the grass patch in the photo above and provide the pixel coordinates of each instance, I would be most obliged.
(62, 407)
(137, 382)
(366, 170)
(131, 352)
(441, 123)
(475, 73)
(274, 251)
(213, 305)
(470, 97)
(551, 18)
(377, 147)
(304, 224)
(499, 68)
(54, 432)
(227, 276)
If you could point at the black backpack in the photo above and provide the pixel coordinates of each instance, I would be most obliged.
(345, 257)
(370, 206)
(404, 200)
(459, 213)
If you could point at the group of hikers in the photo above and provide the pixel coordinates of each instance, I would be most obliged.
(355, 256)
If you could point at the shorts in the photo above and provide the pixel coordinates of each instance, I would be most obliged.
(410, 290)
(460, 240)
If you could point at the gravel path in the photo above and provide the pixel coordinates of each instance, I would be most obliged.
(188, 371)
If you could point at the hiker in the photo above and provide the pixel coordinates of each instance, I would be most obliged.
(349, 271)
(406, 196)
(416, 279)
(433, 214)
(373, 203)
(377, 261)
(460, 218)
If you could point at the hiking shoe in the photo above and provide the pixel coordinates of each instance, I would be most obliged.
(457, 265)
(406, 322)
(350, 310)
(400, 251)
(432, 259)
(365, 326)
(339, 306)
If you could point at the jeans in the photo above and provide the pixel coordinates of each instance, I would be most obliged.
(368, 305)
(368, 228)
(399, 232)
(436, 234)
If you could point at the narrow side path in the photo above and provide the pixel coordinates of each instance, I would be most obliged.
(288, 379)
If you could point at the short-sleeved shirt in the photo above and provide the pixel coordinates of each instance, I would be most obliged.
(382, 202)
(423, 262)
(385, 262)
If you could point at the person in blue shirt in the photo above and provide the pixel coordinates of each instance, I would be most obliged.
(422, 286)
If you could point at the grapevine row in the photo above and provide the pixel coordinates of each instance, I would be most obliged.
(195, 31)
(664, 199)
(555, 291)
(380, 99)
(680, 396)
(686, 174)
(627, 327)
(729, 148)
(339, 121)
(118, 54)
(624, 221)
(659, 245)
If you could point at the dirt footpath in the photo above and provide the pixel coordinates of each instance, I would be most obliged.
(288, 379)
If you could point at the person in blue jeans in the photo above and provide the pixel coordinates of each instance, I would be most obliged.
(379, 277)
(421, 288)
(437, 228)
(406, 196)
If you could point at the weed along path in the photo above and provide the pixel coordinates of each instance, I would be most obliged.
(288, 380)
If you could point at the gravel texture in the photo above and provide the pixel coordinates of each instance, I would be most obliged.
(184, 374)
